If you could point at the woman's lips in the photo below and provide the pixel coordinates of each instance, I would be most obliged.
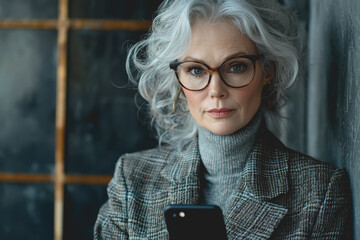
(220, 112)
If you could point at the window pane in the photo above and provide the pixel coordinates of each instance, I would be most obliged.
(82, 204)
(27, 9)
(27, 211)
(102, 120)
(27, 100)
(115, 9)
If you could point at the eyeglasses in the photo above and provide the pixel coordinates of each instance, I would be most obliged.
(236, 72)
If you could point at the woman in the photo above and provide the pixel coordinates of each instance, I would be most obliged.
(210, 70)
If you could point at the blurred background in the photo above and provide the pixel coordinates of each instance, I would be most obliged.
(66, 117)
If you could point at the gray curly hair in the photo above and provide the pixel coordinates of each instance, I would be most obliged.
(270, 25)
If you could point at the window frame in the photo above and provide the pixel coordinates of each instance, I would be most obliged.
(62, 25)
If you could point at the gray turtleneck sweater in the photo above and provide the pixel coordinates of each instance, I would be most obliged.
(224, 158)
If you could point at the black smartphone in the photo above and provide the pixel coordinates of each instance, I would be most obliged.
(188, 222)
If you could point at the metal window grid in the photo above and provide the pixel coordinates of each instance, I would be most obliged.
(62, 24)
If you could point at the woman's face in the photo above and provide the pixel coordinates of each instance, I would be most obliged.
(219, 108)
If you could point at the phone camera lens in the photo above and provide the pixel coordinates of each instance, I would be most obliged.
(174, 215)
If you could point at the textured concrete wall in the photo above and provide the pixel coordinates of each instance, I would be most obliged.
(333, 106)
(322, 117)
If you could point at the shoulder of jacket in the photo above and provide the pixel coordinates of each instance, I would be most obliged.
(155, 156)
(310, 172)
(146, 164)
(308, 176)
(298, 162)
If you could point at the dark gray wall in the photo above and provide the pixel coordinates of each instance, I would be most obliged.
(323, 113)
(102, 119)
(333, 89)
(322, 117)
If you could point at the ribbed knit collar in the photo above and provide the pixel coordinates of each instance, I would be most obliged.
(227, 154)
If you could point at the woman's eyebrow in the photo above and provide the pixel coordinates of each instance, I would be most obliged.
(193, 59)
(237, 54)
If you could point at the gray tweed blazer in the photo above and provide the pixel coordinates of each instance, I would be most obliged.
(282, 194)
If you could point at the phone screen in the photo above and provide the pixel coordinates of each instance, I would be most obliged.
(195, 222)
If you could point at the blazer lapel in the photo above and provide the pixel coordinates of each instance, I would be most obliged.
(251, 214)
(252, 218)
(184, 175)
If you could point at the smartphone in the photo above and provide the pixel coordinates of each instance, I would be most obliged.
(188, 222)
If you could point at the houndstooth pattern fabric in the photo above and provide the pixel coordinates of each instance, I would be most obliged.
(282, 194)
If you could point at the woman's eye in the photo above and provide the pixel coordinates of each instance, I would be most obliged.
(196, 71)
(236, 68)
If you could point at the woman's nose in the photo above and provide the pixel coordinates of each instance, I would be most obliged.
(217, 88)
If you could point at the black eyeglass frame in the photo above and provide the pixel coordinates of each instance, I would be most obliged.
(252, 58)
